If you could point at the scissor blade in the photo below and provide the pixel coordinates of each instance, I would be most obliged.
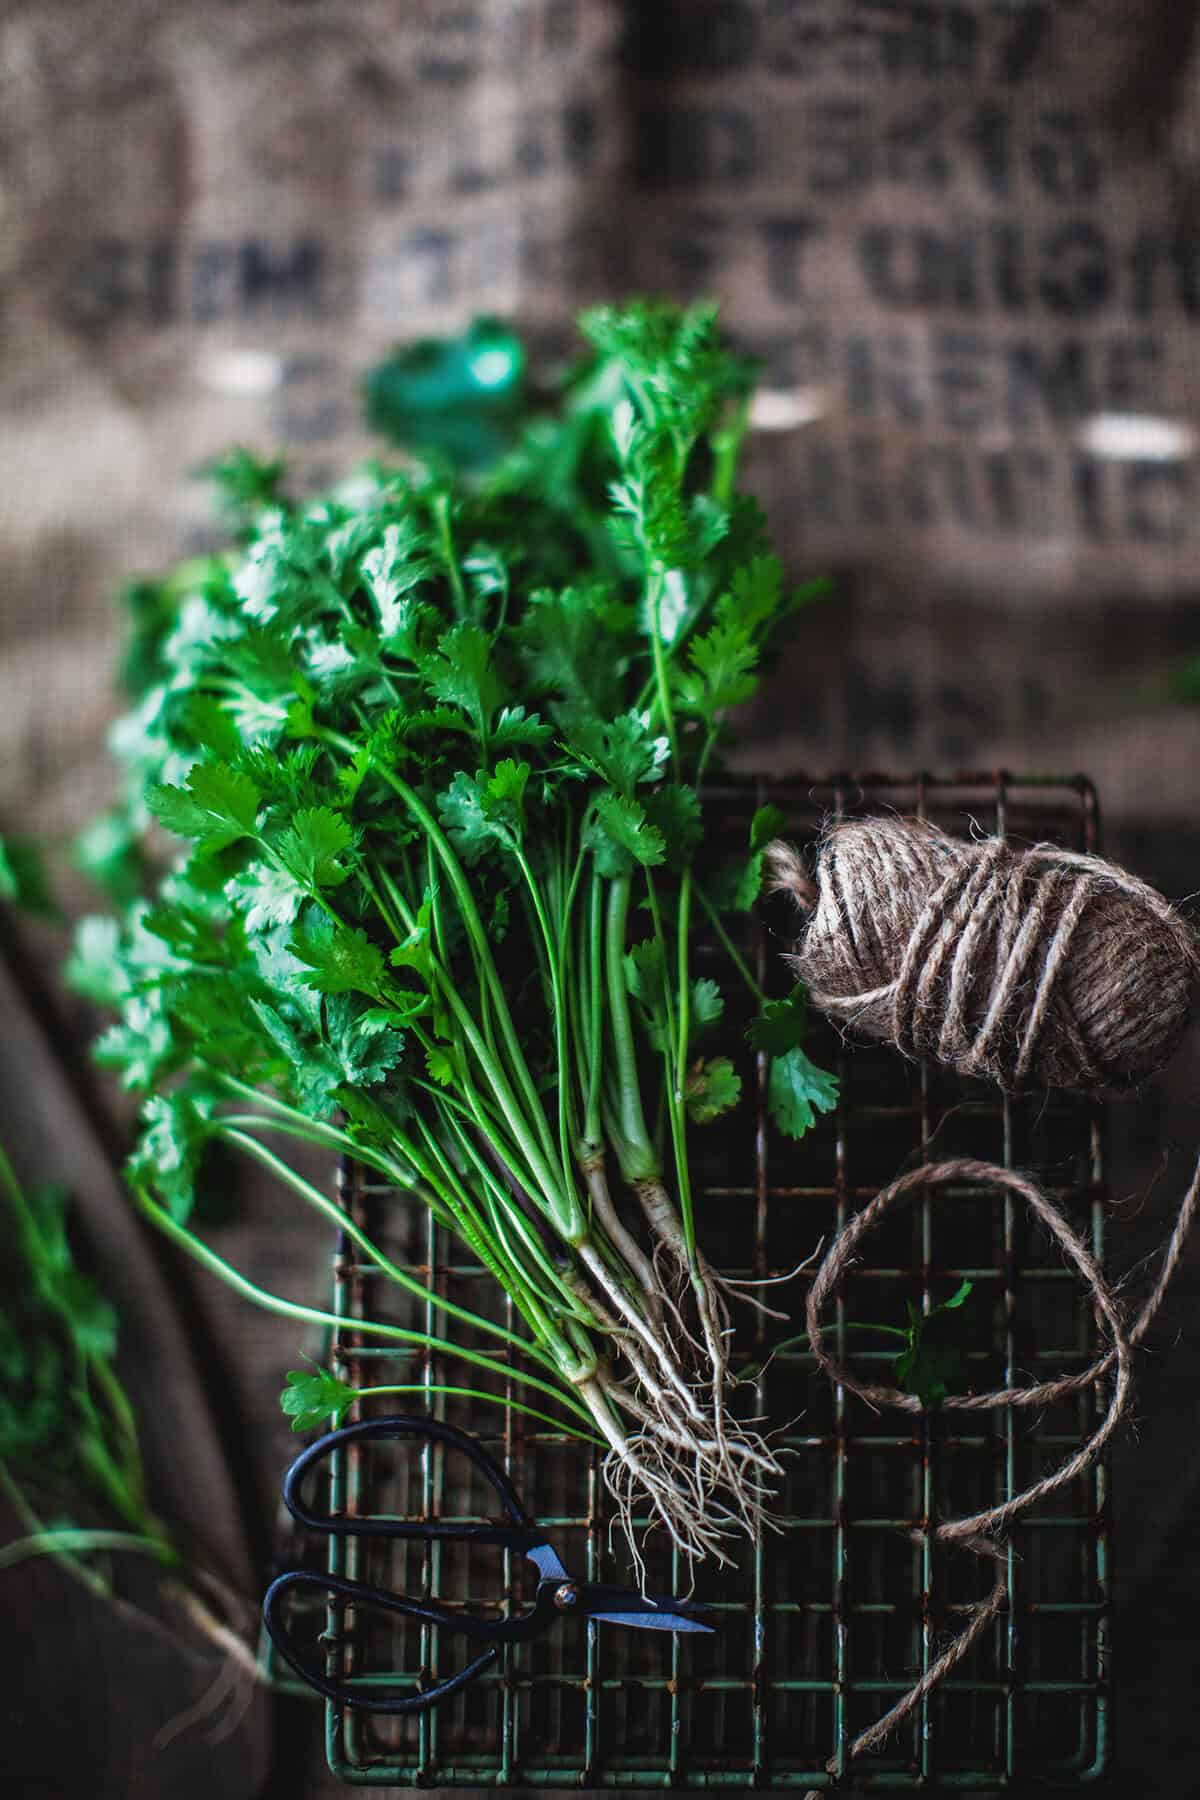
(654, 1621)
(546, 1561)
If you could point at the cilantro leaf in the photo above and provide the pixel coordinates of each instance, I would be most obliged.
(312, 845)
(515, 726)
(366, 1049)
(462, 674)
(265, 896)
(210, 726)
(707, 1005)
(931, 1364)
(711, 1089)
(619, 835)
(674, 812)
(622, 751)
(573, 644)
(142, 1046)
(176, 1129)
(797, 1091)
(439, 1066)
(766, 825)
(781, 1024)
(96, 967)
(218, 806)
(723, 661)
(754, 594)
(338, 959)
(416, 951)
(484, 810)
(391, 572)
(316, 1399)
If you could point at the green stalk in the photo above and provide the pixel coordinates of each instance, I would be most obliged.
(684, 977)
(475, 931)
(441, 512)
(526, 1293)
(653, 604)
(638, 1159)
(562, 1208)
(60, 1539)
(531, 1412)
(678, 1079)
(344, 1222)
(730, 948)
(726, 446)
(90, 1578)
(121, 1412)
(561, 1045)
(593, 1012)
(312, 1315)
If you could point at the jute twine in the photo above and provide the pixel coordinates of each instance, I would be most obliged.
(1027, 965)
(975, 1532)
(1033, 965)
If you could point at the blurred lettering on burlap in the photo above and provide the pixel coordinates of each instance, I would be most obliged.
(960, 233)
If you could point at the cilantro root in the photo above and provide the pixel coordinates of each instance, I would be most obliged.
(436, 746)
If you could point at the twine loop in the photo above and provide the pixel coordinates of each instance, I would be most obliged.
(976, 1531)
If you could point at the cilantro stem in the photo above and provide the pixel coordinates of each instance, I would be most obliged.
(34, 1526)
(474, 926)
(56, 1539)
(653, 606)
(594, 965)
(730, 948)
(637, 1156)
(313, 1315)
(527, 1289)
(464, 1393)
(679, 1079)
(441, 513)
(558, 996)
(344, 1222)
(726, 445)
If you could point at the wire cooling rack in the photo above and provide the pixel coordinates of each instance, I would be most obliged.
(824, 1625)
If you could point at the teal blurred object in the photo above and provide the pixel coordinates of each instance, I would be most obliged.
(456, 398)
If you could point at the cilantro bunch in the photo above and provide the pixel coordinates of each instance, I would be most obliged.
(437, 745)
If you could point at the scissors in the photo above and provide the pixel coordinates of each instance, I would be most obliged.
(558, 1594)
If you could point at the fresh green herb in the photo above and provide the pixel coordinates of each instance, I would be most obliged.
(67, 1432)
(23, 880)
(70, 1458)
(316, 1398)
(930, 1364)
(439, 748)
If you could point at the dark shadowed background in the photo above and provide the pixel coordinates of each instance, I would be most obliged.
(963, 236)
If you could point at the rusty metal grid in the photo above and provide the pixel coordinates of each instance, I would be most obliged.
(823, 1626)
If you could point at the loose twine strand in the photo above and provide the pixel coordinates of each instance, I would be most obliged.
(974, 1532)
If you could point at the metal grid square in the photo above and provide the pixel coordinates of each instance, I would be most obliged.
(824, 1625)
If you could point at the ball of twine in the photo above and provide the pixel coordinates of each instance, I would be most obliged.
(976, 1532)
(1027, 965)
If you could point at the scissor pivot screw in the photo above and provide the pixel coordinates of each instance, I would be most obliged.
(566, 1595)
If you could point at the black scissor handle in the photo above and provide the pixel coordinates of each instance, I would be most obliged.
(520, 1534)
(359, 1697)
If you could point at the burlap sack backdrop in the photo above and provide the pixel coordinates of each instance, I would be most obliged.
(961, 232)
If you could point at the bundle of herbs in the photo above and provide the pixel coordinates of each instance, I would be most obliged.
(439, 743)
